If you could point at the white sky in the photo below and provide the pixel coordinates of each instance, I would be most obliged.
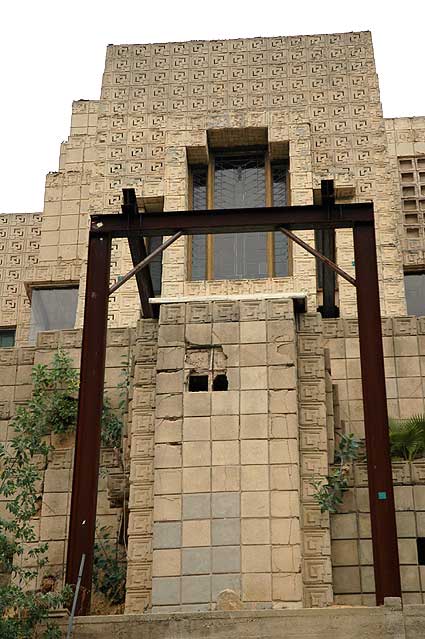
(52, 52)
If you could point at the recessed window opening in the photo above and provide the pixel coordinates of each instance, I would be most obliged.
(414, 285)
(220, 382)
(198, 383)
(242, 178)
(7, 337)
(420, 544)
(52, 309)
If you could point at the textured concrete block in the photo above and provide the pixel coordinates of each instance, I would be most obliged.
(225, 403)
(253, 401)
(168, 456)
(166, 563)
(196, 480)
(254, 477)
(196, 589)
(197, 506)
(196, 561)
(253, 355)
(197, 404)
(167, 508)
(253, 332)
(225, 478)
(254, 426)
(196, 533)
(225, 427)
(254, 451)
(226, 532)
(196, 428)
(256, 559)
(226, 559)
(165, 591)
(225, 505)
(225, 453)
(167, 535)
(257, 587)
(253, 377)
(255, 504)
(255, 531)
(196, 453)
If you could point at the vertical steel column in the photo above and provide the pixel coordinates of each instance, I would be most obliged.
(381, 495)
(90, 403)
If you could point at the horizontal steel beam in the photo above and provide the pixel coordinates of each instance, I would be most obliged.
(234, 220)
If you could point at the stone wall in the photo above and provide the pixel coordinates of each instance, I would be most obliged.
(52, 520)
(388, 622)
(226, 478)
(352, 559)
(406, 153)
(404, 351)
(19, 252)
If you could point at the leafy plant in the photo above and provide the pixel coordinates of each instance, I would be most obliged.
(329, 491)
(109, 567)
(111, 426)
(407, 437)
(54, 400)
(51, 408)
(22, 609)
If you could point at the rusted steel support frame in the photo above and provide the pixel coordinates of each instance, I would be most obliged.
(381, 494)
(317, 254)
(138, 253)
(234, 220)
(90, 404)
(145, 262)
(328, 307)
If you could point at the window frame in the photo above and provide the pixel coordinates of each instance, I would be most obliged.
(55, 286)
(270, 246)
(412, 270)
(10, 330)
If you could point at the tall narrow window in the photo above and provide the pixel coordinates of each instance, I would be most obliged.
(234, 181)
(155, 266)
(414, 285)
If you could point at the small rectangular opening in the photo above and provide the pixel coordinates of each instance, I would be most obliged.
(198, 383)
(7, 337)
(420, 544)
(221, 383)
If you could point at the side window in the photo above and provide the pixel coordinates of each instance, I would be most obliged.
(7, 337)
(414, 284)
(52, 309)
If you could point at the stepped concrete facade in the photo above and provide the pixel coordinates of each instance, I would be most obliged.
(236, 399)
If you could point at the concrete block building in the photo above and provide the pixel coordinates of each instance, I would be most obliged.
(236, 400)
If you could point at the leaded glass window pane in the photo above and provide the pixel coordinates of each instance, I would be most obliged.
(199, 242)
(281, 247)
(239, 182)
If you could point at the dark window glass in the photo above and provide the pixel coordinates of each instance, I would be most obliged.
(420, 546)
(281, 251)
(239, 182)
(155, 266)
(414, 284)
(52, 309)
(199, 242)
(7, 337)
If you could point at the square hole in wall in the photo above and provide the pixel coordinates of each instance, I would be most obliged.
(420, 544)
(198, 383)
